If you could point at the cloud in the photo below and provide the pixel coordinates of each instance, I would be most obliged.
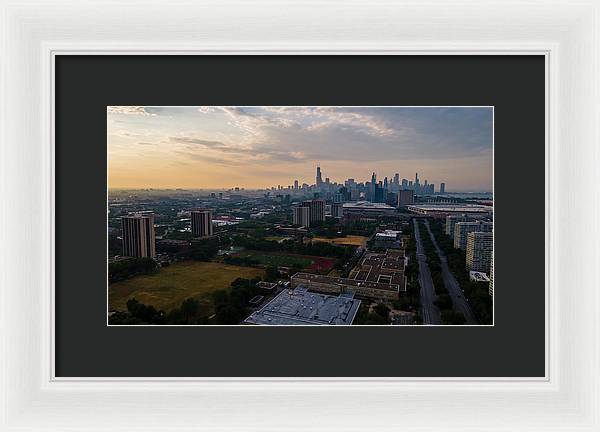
(136, 110)
(196, 141)
(229, 152)
(254, 140)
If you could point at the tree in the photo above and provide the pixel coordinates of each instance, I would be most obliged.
(147, 314)
(228, 314)
(189, 308)
(272, 273)
(382, 310)
(453, 317)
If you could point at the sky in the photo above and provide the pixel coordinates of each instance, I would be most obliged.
(258, 147)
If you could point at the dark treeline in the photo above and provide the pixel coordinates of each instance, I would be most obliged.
(380, 314)
(127, 268)
(477, 292)
(443, 300)
(332, 228)
(198, 250)
(412, 299)
(229, 306)
(314, 249)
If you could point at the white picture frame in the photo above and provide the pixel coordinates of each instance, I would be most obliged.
(566, 33)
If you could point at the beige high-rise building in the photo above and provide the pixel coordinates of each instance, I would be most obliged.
(479, 251)
(202, 223)
(491, 289)
(138, 236)
(462, 229)
(452, 220)
(302, 216)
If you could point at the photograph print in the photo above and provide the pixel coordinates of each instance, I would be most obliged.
(300, 215)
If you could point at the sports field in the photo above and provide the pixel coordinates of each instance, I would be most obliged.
(350, 240)
(289, 260)
(177, 282)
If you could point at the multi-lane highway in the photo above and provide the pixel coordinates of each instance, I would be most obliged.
(431, 314)
(458, 299)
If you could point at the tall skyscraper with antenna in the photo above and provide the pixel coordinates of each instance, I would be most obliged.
(319, 180)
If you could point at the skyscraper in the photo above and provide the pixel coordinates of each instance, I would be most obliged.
(295, 184)
(202, 223)
(405, 197)
(442, 188)
(479, 251)
(319, 179)
(138, 236)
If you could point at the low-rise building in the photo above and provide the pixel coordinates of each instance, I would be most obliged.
(303, 307)
(361, 288)
(444, 209)
(367, 209)
(476, 276)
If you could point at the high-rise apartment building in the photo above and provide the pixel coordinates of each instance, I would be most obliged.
(202, 223)
(138, 236)
(405, 197)
(337, 210)
(317, 210)
(442, 188)
(491, 289)
(452, 220)
(301, 216)
(462, 229)
(479, 251)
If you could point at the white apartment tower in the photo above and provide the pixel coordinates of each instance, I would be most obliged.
(479, 251)
(462, 229)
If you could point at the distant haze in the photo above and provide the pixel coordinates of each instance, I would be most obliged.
(260, 147)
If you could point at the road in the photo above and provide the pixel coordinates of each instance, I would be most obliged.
(431, 314)
(458, 298)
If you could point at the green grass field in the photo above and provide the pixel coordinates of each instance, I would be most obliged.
(177, 282)
(271, 259)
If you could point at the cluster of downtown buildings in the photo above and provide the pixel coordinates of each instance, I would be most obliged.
(372, 197)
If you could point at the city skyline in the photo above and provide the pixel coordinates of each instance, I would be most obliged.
(263, 147)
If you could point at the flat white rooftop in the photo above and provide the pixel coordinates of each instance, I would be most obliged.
(366, 205)
(450, 208)
(478, 276)
(302, 307)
